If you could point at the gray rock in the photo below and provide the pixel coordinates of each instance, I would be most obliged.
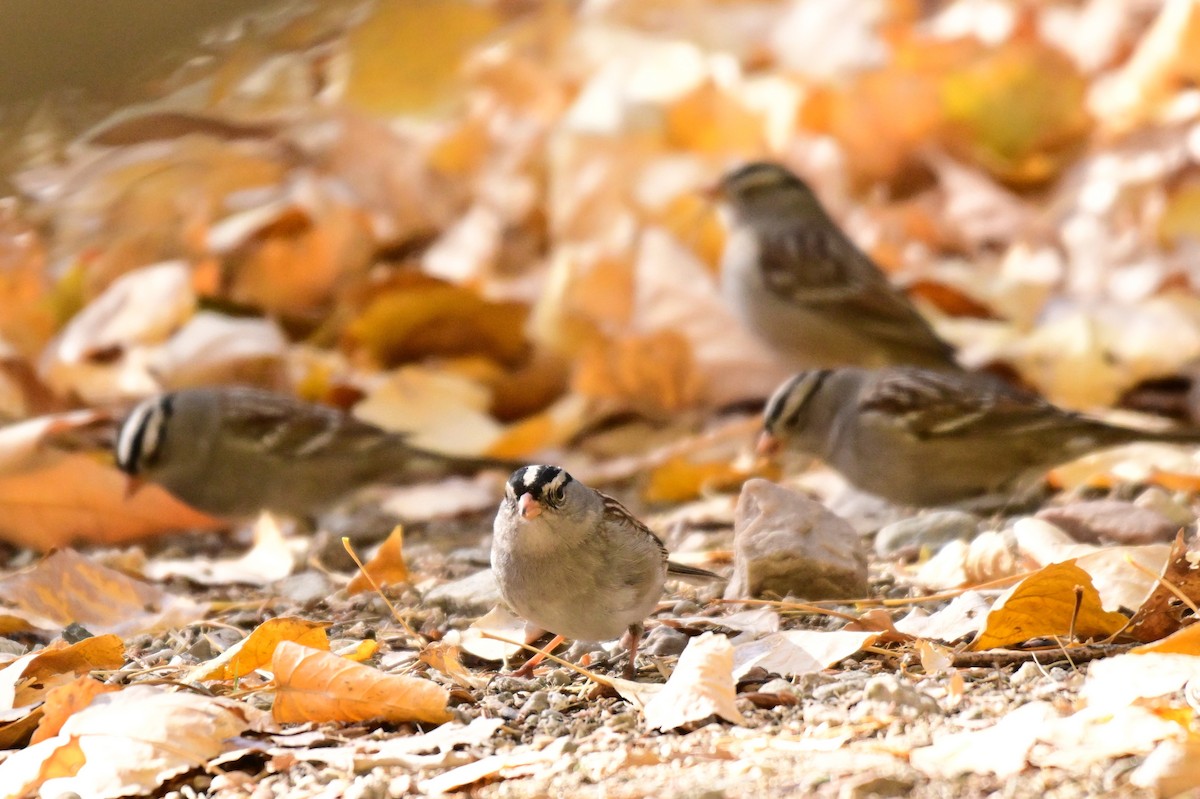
(664, 641)
(933, 530)
(476, 594)
(1155, 498)
(307, 586)
(1110, 520)
(788, 544)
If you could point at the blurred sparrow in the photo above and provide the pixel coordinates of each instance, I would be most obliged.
(805, 289)
(923, 437)
(235, 451)
(577, 563)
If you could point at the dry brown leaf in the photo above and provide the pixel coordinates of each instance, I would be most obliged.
(312, 685)
(1162, 614)
(27, 320)
(65, 701)
(65, 588)
(256, 650)
(934, 657)
(1053, 601)
(386, 567)
(447, 658)
(27, 679)
(1180, 642)
(126, 742)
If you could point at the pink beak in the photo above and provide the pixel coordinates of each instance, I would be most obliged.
(529, 507)
(132, 486)
(768, 445)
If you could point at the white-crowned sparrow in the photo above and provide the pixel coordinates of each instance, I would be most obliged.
(923, 437)
(805, 289)
(235, 451)
(575, 562)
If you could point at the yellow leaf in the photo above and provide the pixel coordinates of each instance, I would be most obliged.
(256, 650)
(407, 55)
(680, 479)
(422, 316)
(312, 685)
(1044, 604)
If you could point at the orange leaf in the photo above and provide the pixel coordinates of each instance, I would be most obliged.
(386, 568)
(65, 700)
(66, 587)
(652, 373)
(424, 317)
(318, 686)
(256, 650)
(1044, 604)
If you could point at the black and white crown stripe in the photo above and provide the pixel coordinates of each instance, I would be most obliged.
(142, 433)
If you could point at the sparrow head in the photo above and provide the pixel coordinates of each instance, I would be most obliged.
(142, 436)
(789, 412)
(536, 489)
(766, 187)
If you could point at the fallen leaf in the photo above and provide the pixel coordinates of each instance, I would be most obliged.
(1161, 613)
(1054, 601)
(386, 567)
(447, 658)
(430, 71)
(962, 617)
(1001, 749)
(701, 686)
(1172, 769)
(1094, 735)
(269, 560)
(28, 678)
(65, 701)
(1148, 679)
(1124, 576)
(422, 316)
(65, 588)
(499, 621)
(256, 650)
(312, 685)
(51, 495)
(130, 741)
(794, 652)
(518, 762)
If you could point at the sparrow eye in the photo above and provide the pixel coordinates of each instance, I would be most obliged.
(557, 495)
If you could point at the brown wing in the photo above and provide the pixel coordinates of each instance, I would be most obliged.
(931, 403)
(286, 427)
(819, 268)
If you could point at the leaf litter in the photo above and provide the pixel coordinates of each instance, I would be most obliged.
(496, 244)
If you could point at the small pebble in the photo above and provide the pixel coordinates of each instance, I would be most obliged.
(1110, 520)
(932, 530)
(664, 641)
(536, 703)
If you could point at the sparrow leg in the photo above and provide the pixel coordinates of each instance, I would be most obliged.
(630, 641)
(527, 669)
